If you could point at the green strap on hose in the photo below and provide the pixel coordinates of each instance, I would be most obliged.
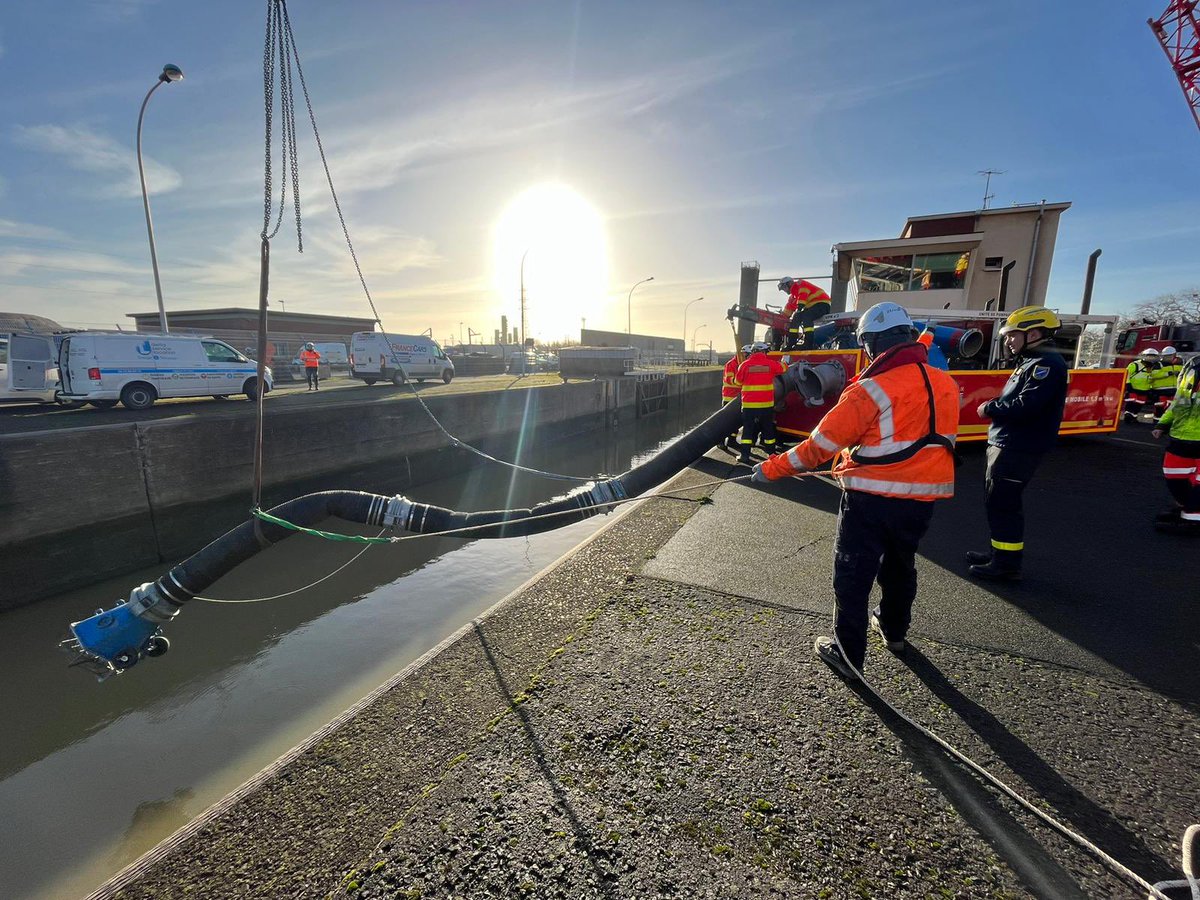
(327, 535)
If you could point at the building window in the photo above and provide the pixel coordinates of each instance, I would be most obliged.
(922, 272)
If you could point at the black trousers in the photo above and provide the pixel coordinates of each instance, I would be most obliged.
(758, 423)
(803, 320)
(876, 539)
(1008, 471)
(313, 375)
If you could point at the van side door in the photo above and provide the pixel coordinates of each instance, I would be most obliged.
(28, 361)
(226, 368)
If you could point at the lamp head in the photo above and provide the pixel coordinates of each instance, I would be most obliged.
(171, 73)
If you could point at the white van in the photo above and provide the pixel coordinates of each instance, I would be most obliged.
(28, 370)
(375, 356)
(101, 368)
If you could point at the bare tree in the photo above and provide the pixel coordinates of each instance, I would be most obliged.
(1169, 309)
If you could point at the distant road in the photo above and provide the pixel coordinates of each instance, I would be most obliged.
(18, 418)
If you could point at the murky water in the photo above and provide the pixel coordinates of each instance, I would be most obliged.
(92, 775)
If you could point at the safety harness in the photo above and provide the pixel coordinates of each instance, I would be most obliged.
(931, 439)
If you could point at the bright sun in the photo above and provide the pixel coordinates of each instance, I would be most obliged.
(566, 269)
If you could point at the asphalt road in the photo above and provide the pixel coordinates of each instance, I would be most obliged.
(26, 417)
(1103, 592)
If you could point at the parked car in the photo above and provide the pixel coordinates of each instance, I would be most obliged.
(136, 369)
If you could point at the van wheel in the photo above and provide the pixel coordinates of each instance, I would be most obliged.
(102, 404)
(370, 381)
(398, 379)
(138, 395)
(250, 389)
(446, 376)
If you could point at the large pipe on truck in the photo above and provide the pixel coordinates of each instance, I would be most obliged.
(962, 342)
(113, 640)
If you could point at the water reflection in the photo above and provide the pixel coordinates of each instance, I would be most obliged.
(91, 775)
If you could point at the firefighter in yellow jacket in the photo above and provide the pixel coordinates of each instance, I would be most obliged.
(892, 433)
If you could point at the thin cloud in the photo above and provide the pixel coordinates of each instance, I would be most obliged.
(88, 151)
(28, 231)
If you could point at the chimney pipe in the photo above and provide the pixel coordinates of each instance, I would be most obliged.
(1091, 278)
(1004, 284)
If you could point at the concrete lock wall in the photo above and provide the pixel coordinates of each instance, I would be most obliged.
(81, 505)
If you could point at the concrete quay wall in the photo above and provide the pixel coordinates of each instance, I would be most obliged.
(83, 504)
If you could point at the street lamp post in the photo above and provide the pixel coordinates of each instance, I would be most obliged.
(694, 333)
(629, 307)
(521, 344)
(169, 74)
(685, 309)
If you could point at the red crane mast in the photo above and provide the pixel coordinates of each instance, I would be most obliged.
(1179, 34)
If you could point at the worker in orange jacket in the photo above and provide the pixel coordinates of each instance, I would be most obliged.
(756, 376)
(731, 389)
(311, 361)
(806, 303)
(892, 432)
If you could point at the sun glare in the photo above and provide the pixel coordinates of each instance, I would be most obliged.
(566, 269)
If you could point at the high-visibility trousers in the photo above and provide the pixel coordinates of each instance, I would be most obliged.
(1181, 469)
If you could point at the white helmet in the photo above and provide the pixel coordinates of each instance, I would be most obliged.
(785, 284)
(1149, 351)
(883, 317)
(760, 347)
(309, 346)
(1169, 351)
(749, 348)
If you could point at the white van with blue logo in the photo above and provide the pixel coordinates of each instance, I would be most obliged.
(102, 368)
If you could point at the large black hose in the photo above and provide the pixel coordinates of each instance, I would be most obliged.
(199, 571)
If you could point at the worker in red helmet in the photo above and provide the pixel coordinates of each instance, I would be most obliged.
(806, 303)
(891, 435)
(757, 379)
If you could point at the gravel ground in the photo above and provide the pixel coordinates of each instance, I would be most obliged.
(612, 735)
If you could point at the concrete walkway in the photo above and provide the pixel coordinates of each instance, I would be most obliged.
(648, 720)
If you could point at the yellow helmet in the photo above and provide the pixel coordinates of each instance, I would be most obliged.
(1029, 317)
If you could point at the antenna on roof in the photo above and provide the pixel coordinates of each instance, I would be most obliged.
(988, 173)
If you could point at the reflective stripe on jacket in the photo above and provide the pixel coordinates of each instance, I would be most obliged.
(310, 358)
(804, 293)
(1138, 376)
(729, 383)
(757, 379)
(885, 411)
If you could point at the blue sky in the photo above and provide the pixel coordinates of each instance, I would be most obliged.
(701, 134)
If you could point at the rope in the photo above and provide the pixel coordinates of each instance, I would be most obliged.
(337, 205)
(1065, 830)
(298, 590)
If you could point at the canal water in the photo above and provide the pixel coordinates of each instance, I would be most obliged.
(92, 775)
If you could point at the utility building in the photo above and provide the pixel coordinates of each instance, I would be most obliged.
(982, 259)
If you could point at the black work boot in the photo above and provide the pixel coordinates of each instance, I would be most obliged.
(979, 557)
(1005, 565)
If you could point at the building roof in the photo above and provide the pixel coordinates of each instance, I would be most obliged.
(28, 322)
(932, 244)
(995, 211)
(277, 315)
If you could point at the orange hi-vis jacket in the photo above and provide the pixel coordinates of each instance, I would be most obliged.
(730, 387)
(804, 293)
(757, 378)
(885, 412)
(310, 358)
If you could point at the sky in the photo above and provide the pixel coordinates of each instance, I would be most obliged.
(613, 141)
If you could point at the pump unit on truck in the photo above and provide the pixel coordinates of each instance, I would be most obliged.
(972, 345)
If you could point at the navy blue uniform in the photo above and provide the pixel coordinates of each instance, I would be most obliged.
(1025, 422)
(1027, 414)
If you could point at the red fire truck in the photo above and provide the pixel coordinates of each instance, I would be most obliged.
(971, 341)
(1184, 337)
